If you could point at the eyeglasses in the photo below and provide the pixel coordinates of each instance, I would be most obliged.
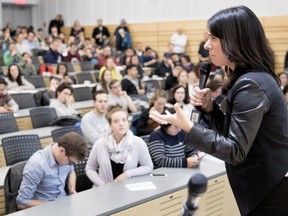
(71, 162)
(117, 86)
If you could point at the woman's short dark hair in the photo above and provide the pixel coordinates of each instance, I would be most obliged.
(174, 89)
(243, 41)
(165, 126)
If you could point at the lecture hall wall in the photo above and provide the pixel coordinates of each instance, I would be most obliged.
(153, 21)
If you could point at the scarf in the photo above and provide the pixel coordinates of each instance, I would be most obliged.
(119, 152)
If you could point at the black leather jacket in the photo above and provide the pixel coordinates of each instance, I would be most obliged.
(252, 138)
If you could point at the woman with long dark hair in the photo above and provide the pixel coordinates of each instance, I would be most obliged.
(15, 81)
(251, 137)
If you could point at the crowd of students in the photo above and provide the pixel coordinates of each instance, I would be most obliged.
(117, 152)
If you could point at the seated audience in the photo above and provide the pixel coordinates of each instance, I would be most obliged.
(117, 96)
(105, 79)
(46, 172)
(135, 61)
(73, 55)
(283, 79)
(180, 95)
(31, 42)
(183, 79)
(172, 79)
(16, 81)
(149, 58)
(53, 55)
(62, 73)
(131, 82)
(26, 66)
(145, 124)
(111, 66)
(11, 55)
(7, 103)
(164, 68)
(94, 125)
(125, 59)
(5, 38)
(53, 85)
(64, 100)
(118, 155)
(167, 149)
(186, 63)
(21, 47)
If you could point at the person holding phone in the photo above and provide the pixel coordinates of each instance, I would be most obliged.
(251, 136)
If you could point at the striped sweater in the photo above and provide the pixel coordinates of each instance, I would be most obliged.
(167, 150)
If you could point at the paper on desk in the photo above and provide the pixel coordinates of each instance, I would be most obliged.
(141, 186)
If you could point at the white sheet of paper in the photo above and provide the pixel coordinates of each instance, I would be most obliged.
(141, 186)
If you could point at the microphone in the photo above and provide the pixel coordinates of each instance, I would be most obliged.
(205, 68)
(197, 185)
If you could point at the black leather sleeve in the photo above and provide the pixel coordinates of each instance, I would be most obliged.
(249, 103)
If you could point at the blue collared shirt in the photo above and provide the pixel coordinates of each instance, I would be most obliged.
(43, 178)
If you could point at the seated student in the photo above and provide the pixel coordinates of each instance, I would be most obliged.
(145, 124)
(73, 55)
(104, 81)
(167, 149)
(94, 125)
(120, 154)
(117, 96)
(180, 95)
(172, 79)
(111, 66)
(15, 80)
(130, 82)
(46, 172)
(136, 61)
(26, 66)
(53, 85)
(7, 103)
(64, 100)
(62, 73)
(11, 55)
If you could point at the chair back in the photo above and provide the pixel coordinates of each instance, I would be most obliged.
(37, 81)
(82, 182)
(82, 93)
(57, 133)
(82, 76)
(24, 100)
(8, 123)
(12, 184)
(87, 66)
(69, 66)
(42, 116)
(20, 148)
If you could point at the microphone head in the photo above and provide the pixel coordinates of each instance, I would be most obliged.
(205, 68)
(197, 184)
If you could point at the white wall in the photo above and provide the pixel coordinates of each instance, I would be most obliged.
(139, 11)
